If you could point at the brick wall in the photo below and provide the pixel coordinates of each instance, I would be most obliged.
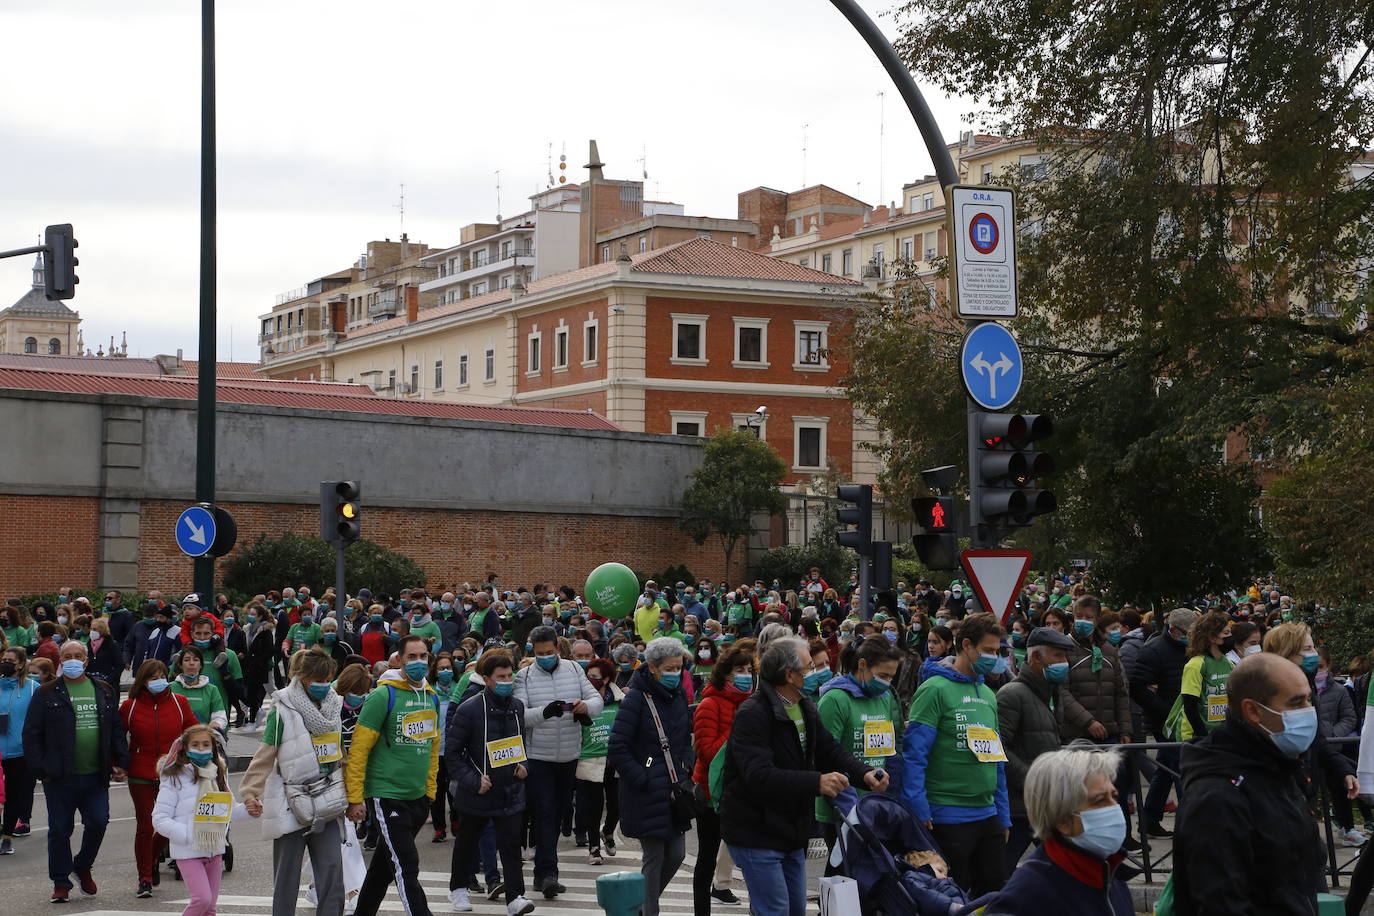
(454, 547)
(47, 542)
(573, 318)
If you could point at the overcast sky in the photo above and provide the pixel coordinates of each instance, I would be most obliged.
(325, 108)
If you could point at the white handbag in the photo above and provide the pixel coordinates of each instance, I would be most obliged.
(839, 896)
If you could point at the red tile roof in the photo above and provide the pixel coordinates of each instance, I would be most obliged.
(705, 258)
(223, 369)
(298, 394)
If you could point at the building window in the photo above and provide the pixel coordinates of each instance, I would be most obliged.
(414, 379)
(809, 443)
(289, 317)
(391, 380)
(987, 174)
(438, 375)
(54, 346)
(688, 422)
(560, 348)
(643, 243)
(805, 262)
(535, 340)
(30, 344)
(605, 253)
(825, 262)
(847, 262)
(505, 250)
(750, 423)
(589, 342)
(878, 259)
(505, 282)
(479, 289)
(928, 201)
(811, 341)
(689, 339)
(490, 365)
(1034, 168)
(906, 249)
(929, 242)
(751, 343)
(463, 370)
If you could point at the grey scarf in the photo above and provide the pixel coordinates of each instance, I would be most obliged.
(319, 720)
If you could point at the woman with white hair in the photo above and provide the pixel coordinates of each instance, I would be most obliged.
(1073, 810)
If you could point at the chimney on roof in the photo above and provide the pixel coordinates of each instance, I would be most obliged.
(594, 164)
(412, 304)
(868, 217)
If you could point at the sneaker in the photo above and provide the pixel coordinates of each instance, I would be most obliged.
(519, 907)
(594, 856)
(608, 843)
(21, 828)
(6, 847)
(1353, 837)
(1131, 844)
(580, 841)
(1170, 807)
(552, 888)
(439, 836)
(157, 875)
(495, 889)
(87, 883)
(724, 895)
(526, 853)
(145, 889)
(458, 897)
(176, 872)
(60, 893)
(474, 886)
(1159, 831)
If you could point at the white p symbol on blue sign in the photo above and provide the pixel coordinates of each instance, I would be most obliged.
(985, 233)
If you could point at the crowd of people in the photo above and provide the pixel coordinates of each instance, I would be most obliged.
(505, 719)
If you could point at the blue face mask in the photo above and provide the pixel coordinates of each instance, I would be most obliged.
(200, 758)
(1115, 637)
(670, 679)
(875, 687)
(503, 688)
(584, 662)
(73, 668)
(1083, 627)
(318, 691)
(229, 621)
(891, 635)
(1299, 728)
(157, 685)
(330, 638)
(307, 620)
(446, 676)
(1310, 663)
(445, 605)
(417, 670)
(376, 618)
(815, 679)
(744, 682)
(201, 643)
(354, 700)
(510, 605)
(109, 605)
(1104, 830)
(547, 662)
(1057, 673)
(988, 664)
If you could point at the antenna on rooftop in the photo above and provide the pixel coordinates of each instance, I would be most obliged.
(644, 162)
(881, 161)
(498, 195)
(401, 205)
(550, 164)
(805, 125)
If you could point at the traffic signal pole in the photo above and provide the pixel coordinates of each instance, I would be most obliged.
(945, 170)
(208, 349)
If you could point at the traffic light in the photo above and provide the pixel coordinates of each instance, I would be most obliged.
(860, 539)
(340, 511)
(59, 266)
(882, 566)
(1007, 468)
(935, 541)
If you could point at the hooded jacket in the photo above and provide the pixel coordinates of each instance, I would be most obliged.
(174, 813)
(637, 754)
(472, 725)
(843, 710)
(1029, 715)
(1245, 841)
(711, 727)
(1058, 878)
(154, 721)
(1159, 665)
(557, 739)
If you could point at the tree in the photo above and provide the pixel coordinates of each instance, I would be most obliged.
(292, 559)
(739, 477)
(1190, 261)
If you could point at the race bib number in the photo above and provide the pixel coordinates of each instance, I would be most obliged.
(417, 726)
(327, 747)
(506, 751)
(214, 808)
(880, 740)
(985, 744)
(1216, 708)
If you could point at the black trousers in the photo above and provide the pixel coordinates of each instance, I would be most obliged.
(507, 828)
(396, 859)
(976, 854)
(19, 786)
(593, 799)
(548, 793)
(708, 848)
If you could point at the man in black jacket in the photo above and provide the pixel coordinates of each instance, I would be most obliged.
(1155, 681)
(778, 760)
(74, 741)
(1246, 841)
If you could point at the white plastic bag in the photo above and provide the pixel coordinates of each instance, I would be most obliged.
(839, 896)
(354, 868)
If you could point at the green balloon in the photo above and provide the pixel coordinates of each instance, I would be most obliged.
(612, 590)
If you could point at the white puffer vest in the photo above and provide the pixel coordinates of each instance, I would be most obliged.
(295, 764)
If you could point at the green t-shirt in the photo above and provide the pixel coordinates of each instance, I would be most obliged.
(232, 669)
(26, 637)
(596, 738)
(794, 712)
(427, 630)
(646, 621)
(477, 623)
(869, 728)
(739, 613)
(1205, 677)
(205, 698)
(398, 766)
(87, 758)
(954, 776)
(271, 733)
(303, 637)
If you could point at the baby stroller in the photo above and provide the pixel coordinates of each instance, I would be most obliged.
(877, 837)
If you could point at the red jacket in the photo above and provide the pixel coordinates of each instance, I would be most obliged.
(186, 627)
(711, 727)
(154, 721)
(46, 648)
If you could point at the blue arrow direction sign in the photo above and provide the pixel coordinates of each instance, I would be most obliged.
(195, 532)
(991, 366)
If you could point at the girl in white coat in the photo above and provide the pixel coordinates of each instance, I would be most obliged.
(193, 810)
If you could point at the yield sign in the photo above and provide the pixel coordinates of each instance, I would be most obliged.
(997, 576)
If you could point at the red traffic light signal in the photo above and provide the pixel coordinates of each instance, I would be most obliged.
(934, 513)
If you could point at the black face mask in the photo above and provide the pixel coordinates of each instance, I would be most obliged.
(7, 669)
(1228, 644)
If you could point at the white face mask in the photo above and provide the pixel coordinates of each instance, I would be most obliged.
(1252, 649)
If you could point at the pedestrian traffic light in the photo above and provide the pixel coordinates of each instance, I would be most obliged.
(882, 566)
(860, 515)
(340, 511)
(1007, 467)
(59, 264)
(934, 538)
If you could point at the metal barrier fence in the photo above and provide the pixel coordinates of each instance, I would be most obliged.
(1151, 865)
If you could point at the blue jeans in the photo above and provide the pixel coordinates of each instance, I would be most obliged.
(776, 880)
(1160, 784)
(89, 794)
